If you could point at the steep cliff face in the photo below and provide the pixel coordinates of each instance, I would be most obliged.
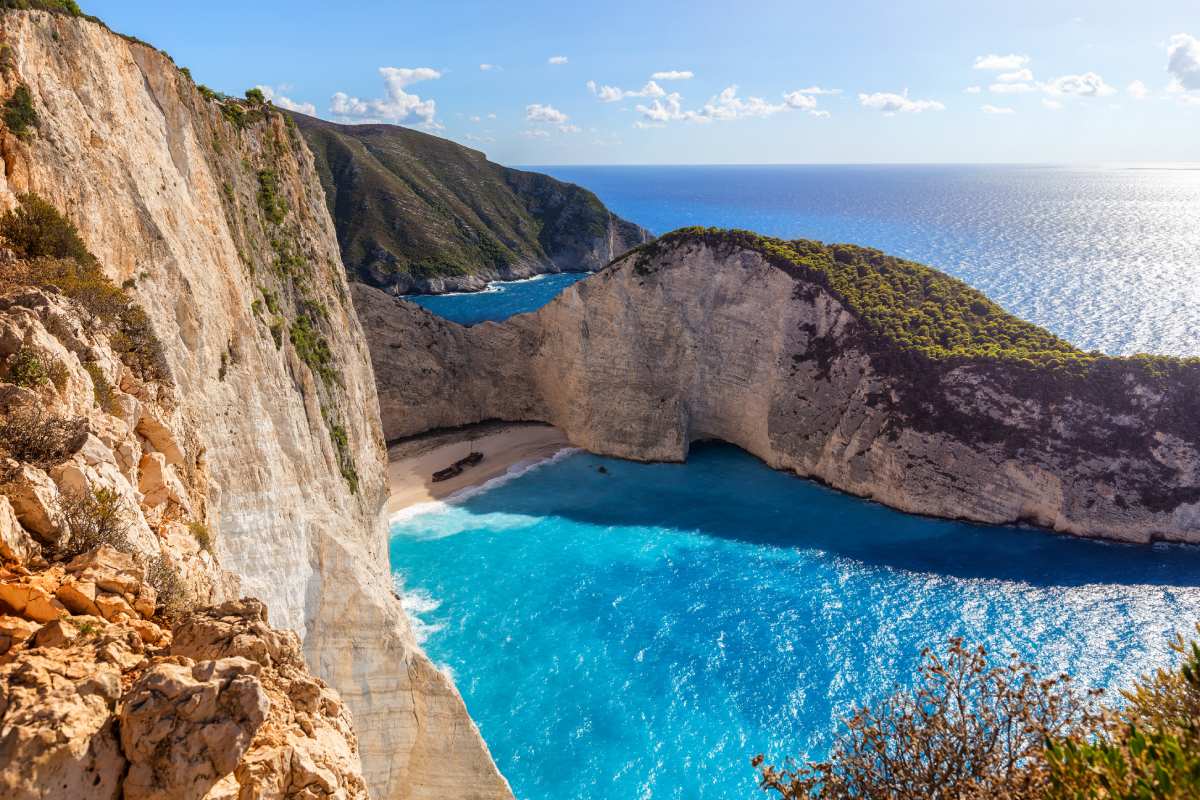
(878, 377)
(214, 217)
(417, 213)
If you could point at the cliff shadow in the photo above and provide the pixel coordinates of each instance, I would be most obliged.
(725, 492)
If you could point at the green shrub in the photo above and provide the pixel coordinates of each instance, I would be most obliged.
(206, 93)
(255, 97)
(313, 349)
(102, 388)
(36, 229)
(173, 595)
(273, 206)
(19, 114)
(92, 519)
(57, 6)
(201, 534)
(341, 443)
(27, 369)
(1147, 748)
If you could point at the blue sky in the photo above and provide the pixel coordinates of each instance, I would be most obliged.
(1017, 81)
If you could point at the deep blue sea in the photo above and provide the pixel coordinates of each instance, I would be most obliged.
(1107, 257)
(643, 633)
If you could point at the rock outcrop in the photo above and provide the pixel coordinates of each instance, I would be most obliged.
(416, 213)
(211, 215)
(882, 378)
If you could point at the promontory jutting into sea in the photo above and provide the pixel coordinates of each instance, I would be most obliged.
(847, 446)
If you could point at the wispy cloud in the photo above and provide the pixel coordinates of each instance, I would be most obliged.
(1089, 84)
(398, 106)
(488, 67)
(557, 60)
(817, 90)
(674, 75)
(890, 103)
(613, 94)
(996, 63)
(1137, 90)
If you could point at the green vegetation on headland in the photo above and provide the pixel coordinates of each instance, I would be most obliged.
(907, 307)
(408, 205)
(970, 729)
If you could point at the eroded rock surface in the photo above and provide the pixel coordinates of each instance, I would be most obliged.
(705, 341)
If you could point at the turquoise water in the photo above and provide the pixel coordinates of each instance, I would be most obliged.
(500, 300)
(641, 634)
(644, 633)
(1107, 257)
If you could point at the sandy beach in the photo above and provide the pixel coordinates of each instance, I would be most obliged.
(412, 462)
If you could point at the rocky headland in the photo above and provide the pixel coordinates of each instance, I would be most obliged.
(419, 214)
(880, 377)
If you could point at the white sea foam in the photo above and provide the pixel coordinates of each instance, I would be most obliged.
(512, 473)
(415, 603)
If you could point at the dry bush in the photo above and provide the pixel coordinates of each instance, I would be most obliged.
(173, 596)
(967, 730)
(92, 519)
(35, 436)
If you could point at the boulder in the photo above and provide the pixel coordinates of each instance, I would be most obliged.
(78, 596)
(14, 630)
(236, 628)
(30, 600)
(57, 731)
(184, 728)
(34, 499)
(160, 436)
(114, 607)
(15, 542)
(159, 484)
(109, 569)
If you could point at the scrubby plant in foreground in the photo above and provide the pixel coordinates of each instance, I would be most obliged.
(969, 730)
(34, 436)
(93, 518)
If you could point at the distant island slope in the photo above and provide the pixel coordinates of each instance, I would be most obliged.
(420, 214)
(879, 376)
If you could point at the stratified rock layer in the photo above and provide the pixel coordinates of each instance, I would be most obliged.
(698, 339)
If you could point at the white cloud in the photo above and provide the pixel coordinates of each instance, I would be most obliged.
(569, 128)
(286, 102)
(1183, 61)
(973, 89)
(799, 99)
(557, 60)
(663, 110)
(674, 75)
(398, 106)
(535, 133)
(1089, 84)
(1001, 63)
(476, 118)
(1012, 88)
(890, 103)
(1137, 90)
(817, 90)
(1053, 105)
(470, 137)
(536, 112)
(613, 94)
(990, 109)
(487, 67)
(1015, 76)
(727, 105)
(491, 116)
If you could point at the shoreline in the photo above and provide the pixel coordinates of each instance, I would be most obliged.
(412, 461)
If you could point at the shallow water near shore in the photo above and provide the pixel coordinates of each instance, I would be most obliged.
(643, 633)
